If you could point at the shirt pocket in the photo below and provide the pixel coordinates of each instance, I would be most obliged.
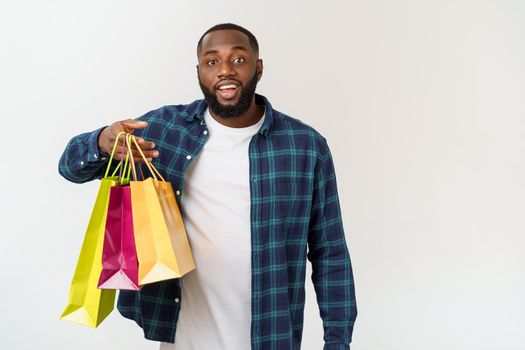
(292, 202)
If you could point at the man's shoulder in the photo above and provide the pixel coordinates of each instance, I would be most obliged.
(172, 114)
(293, 124)
(305, 134)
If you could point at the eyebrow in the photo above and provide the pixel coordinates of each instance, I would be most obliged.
(237, 47)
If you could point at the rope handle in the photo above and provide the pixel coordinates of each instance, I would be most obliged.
(149, 164)
(113, 154)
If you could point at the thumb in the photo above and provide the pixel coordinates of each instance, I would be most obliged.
(131, 124)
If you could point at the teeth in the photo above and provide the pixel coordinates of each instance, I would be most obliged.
(231, 86)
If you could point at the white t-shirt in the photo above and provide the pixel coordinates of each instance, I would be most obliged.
(216, 296)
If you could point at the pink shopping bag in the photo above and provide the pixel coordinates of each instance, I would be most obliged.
(119, 255)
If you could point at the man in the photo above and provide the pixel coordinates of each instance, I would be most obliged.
(258, 195)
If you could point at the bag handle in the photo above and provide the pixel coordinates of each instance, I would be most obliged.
(149, 164)
(130, 152)
(113, 154)
(124, 174)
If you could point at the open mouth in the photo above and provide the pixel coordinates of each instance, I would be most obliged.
(228, 91)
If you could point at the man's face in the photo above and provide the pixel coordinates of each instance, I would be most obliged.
(228, 71)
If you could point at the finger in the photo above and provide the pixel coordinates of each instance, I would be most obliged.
(121, 146)
(148, 154)
(132, 124)
(145, 145)
(121, 149)
(141, 160)
(151, 154)
(150, 147)
(119, 156)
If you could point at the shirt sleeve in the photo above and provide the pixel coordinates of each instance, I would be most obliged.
(82, 160)
(332, 274)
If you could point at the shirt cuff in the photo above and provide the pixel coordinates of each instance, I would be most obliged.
(93, 152)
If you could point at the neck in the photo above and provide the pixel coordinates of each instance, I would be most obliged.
(251, 117)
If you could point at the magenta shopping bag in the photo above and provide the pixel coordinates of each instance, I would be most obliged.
(119, 256)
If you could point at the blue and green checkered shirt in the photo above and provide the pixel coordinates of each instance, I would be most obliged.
(295, 217)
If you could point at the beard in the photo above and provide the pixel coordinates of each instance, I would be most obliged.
(235, 110)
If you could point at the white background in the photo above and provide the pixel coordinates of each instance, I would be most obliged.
(422, 103)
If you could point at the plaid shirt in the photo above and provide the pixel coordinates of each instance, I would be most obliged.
(295, 216)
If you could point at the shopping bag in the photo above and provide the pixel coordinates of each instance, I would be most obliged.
(162, 244)
(119, 257)
(87, 305)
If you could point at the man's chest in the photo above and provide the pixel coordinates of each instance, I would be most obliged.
(276, 172)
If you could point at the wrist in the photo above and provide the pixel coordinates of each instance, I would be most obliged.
(102, 146)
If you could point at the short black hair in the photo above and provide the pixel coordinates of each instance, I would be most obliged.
(251, 38)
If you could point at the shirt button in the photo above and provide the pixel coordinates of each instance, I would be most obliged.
(81, 162)
(205, 132)
(177, 300)
(188, 157)
(178, 193)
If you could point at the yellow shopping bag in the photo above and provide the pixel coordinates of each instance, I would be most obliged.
(87, 305)
(163, 248)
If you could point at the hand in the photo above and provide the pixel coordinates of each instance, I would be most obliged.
(106, 140)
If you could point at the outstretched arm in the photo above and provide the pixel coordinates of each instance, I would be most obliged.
(86, 155)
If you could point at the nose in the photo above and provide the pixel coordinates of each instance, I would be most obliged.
(226, 69)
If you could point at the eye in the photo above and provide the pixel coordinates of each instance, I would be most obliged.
(211, 62)
(239, 60)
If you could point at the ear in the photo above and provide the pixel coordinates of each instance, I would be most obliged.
(197, 69)
(259, 68)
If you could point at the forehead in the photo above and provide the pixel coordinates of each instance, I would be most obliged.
(224, 39)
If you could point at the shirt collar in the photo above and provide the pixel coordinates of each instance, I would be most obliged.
(259, 99)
